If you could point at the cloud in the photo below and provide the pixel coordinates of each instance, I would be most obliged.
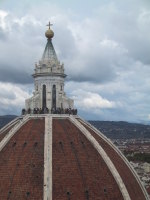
(87, 58)
(88, 100)
(12, 98)
(93, 49)
(105, 50)
(3, 14)
(15, 75)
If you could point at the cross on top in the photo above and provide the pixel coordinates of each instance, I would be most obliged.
(49, 25)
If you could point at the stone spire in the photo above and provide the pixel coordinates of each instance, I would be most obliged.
(49, 52)
(49, 80)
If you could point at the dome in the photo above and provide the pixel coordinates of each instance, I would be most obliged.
(59, 157)
(53, 154)
(49, 34)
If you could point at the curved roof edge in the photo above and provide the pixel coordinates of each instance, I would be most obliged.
(111, 155)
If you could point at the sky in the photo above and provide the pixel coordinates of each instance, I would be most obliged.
(104, 45)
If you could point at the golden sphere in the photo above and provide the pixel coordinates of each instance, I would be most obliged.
(49, 34)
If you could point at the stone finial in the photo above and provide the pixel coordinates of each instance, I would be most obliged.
(49, 33)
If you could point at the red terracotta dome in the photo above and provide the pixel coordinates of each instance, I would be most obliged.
(62, 157)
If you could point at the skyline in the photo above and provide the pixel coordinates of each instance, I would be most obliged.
(104, 45)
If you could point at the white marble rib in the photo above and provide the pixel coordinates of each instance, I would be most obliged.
(11, 123)
(105, 157)
(119, 153)
(48, 159)
(12, 132)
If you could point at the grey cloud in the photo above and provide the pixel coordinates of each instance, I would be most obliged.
(96, 63)
(3, 35)
(19, 52)
(14, 75)
(101, 53)
(10, 110)
(64, 42)
(7, 95)
(129, 24)
(97, 73)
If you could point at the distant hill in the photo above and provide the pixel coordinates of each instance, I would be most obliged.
(6, 119)
(113, 130)
(122, 130)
